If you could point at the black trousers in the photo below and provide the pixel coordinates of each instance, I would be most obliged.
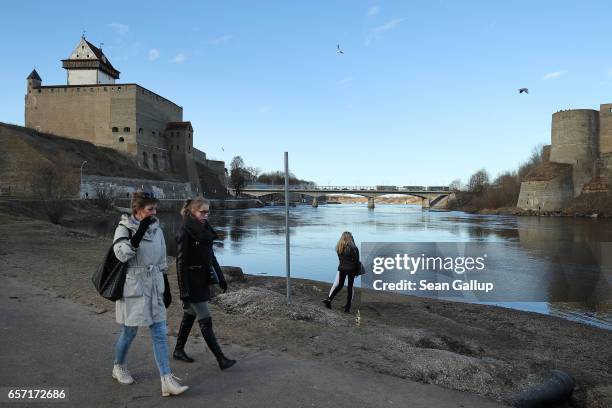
(339, 284)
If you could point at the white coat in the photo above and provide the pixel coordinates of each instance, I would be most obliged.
(142, 303)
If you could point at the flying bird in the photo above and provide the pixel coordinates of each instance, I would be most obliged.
(338, 50)
(523, 90)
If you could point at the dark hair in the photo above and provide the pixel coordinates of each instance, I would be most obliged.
(141, 199)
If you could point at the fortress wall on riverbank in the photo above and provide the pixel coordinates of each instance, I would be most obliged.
(546, 195)
(124, 187)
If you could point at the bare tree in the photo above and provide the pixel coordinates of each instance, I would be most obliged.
(237, 174)
(478, 182)
(51, 184)
(535, 159)
(253, 173)
(455, 185)
(105, 197)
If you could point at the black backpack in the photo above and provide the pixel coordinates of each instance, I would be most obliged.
(109, 278)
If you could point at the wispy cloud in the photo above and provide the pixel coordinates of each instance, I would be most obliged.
(119, 28)
(390, 25)
(153, 54)
(264, 109)
(180, 57)
(376, 33)
(553, 75)
(374, 10)
(220, 40)
(345, 82)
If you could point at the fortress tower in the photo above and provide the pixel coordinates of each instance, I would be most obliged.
(88, 65)
(580, 160)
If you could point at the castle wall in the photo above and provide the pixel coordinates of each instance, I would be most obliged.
(574, 136)
(86, 113)
(546, 195)
(218, 167)
(152, 114)
(199, 156)
(125, 187)
(605, 129)
(124, 117)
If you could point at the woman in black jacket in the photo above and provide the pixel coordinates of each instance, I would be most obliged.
(349, 265)
(195, 265)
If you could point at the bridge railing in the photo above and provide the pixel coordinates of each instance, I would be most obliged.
(345, 188)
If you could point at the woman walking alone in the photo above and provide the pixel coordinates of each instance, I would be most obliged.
(195, 263)
(139, 241)
(349, 265)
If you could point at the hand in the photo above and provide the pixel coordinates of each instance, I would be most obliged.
(142, 228)
(167, 294)
(223, 285)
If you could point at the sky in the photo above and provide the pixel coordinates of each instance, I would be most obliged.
(426, 91)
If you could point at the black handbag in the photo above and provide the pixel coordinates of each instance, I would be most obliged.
(361, 270)
(109, 278)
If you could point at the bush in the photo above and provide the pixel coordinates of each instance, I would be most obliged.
(105, 197)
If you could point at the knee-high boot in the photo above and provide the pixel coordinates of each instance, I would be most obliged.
(213, 345)
(181, 338)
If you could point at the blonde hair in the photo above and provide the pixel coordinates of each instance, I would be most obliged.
(345, 243)
(192, 204)
(141, 199)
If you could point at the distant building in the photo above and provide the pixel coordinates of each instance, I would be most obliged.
(124, 117)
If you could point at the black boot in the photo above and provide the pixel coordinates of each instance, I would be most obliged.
(213, 345)
(181, 338)
(327, 303)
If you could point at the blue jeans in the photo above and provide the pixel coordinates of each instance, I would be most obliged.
(160, 345)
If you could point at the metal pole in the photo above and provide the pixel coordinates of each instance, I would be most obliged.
(81, 183)
(287, 254)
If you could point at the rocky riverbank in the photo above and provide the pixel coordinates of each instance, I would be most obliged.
(489, 351)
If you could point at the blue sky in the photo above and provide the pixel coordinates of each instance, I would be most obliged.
(425, 93)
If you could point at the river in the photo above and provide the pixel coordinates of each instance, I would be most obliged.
(254, 240)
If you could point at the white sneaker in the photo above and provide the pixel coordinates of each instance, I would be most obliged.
(121, 374)
(170, 386)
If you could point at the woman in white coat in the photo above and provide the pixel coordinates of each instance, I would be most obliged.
(139, 241)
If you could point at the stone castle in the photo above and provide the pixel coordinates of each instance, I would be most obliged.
(578, 160)
(126, 117)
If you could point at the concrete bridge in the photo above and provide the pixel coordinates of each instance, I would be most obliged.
(430, 196)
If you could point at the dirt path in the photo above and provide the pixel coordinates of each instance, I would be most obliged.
(52, 342)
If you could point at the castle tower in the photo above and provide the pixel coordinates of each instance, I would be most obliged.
(87, 65)
(574, 137)
(179, 136)
(605, 129)
(34, 81)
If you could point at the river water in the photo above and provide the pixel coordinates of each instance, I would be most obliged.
(254, 240)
